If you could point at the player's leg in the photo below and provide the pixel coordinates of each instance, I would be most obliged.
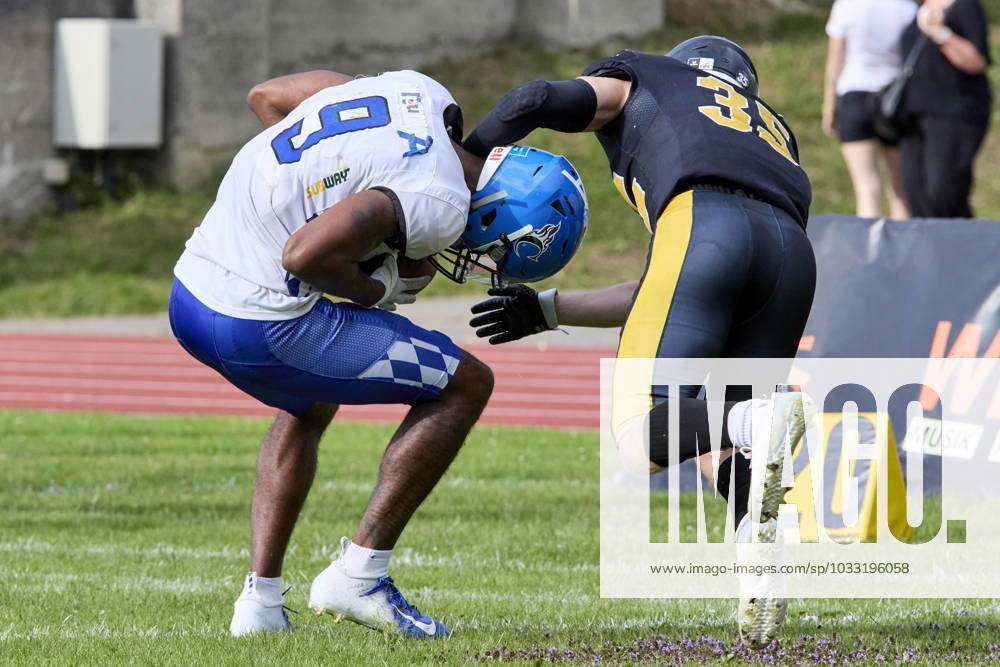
(356, 586)
(683, 308)
(360, 356)
(340, 354)
(335, 354)
(861, 158)
(420, 451)
(286, 466)
(769, 323)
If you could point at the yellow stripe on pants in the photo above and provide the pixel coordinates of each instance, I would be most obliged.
(632, 392)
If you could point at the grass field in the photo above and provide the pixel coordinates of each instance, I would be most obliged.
(115, 257)
(122, 540)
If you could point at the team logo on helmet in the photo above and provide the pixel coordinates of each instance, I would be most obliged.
(539, 238)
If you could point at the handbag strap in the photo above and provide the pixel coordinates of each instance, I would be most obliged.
(914, 55)
(918, 49)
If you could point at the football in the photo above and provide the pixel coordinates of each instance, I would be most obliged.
(415, 268)
(408, 268)
(368, 266)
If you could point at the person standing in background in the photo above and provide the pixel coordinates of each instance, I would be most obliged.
(862, 58)
(947, 104)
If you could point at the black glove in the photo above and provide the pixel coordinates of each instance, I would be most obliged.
(515, 311)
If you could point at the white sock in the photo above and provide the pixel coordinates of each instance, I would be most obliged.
(364, 563)
(740, 421)
(739, 424)
(268, 588)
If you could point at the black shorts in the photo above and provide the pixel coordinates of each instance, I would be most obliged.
(726, 276)
(854, 117)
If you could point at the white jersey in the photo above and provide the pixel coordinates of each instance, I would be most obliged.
(871, 31)
(386, 131)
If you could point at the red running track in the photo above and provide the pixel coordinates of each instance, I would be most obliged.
(556, 388)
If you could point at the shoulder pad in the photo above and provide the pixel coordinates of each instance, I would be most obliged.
(615, 66)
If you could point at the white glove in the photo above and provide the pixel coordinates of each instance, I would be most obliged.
(388, 275)
(414, 285)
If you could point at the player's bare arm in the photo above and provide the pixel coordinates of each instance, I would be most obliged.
(516, 311)
(326, 252)
(584, 104)
(273, 99)
(612, 94)
(605, 307)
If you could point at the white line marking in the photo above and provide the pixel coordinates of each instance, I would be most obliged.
(402, 557)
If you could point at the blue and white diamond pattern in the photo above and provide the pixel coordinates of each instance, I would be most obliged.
(413, 362)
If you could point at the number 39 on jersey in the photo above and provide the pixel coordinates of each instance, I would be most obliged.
(732, 110)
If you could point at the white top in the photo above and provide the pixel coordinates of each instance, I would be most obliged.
(871, 31)
(383, 131)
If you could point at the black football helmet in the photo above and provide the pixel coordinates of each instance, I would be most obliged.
(723, 58)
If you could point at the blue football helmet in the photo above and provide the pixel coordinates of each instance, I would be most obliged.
(528, 215)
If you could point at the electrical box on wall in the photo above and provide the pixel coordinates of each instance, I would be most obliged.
(108, 83)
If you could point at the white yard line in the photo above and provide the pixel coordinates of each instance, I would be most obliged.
(102, 631)
(28, 581)
(60, 582)
(403, 556)
(456, 482)
(32, 545)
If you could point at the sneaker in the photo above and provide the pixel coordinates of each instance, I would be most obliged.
(763, 604)
(253, 612)
(374, 603)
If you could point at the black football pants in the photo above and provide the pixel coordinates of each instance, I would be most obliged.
(726, 276)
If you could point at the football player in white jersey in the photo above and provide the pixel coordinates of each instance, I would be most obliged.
(352, 179)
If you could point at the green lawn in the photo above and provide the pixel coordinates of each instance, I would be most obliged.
(116, 257)
(122, 541)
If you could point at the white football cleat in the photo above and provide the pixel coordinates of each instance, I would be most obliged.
(783, 419)
(374, 603)
(253, 612)
(763, 604)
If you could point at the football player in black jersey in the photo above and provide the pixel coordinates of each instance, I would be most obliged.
(714, 174)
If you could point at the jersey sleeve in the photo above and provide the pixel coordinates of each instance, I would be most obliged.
(428, 221)
(609, 67)
(836, 27)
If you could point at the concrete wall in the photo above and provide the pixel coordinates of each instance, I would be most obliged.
(26, 52)
(583, 22)
(217, 50)
(215, 62)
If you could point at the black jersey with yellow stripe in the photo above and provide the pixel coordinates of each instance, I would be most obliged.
(682, 126)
